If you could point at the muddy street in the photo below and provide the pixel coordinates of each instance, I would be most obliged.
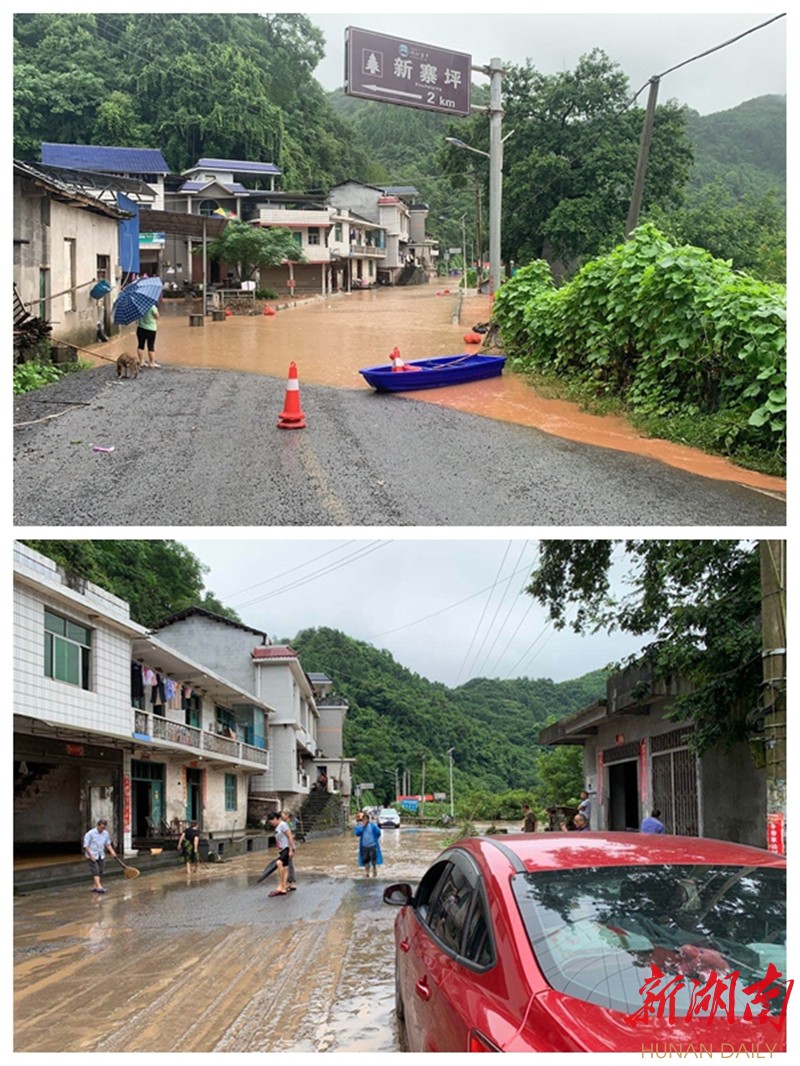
(212, 963)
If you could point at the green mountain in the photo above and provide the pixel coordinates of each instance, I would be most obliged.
(744, 147)
(397, 719)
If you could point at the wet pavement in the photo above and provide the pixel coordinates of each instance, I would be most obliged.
(211, 963)
(197, 443)
(331, 338)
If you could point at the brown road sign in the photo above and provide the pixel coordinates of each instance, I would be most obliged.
(395, 70)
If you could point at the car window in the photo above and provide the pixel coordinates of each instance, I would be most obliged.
(477, 945)
(427, 887)
(597, 932)
(449, 908)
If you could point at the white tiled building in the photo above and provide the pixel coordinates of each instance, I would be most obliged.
(304, 736)
(94, 736)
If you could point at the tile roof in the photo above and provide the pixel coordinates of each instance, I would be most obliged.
(201, 612)
(275, 651)
(95, 157)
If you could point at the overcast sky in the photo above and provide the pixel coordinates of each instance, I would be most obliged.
(446, 609)
(642, 44)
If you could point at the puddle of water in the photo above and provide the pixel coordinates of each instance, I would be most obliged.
(330, 339)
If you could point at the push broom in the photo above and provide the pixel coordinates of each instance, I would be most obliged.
(130, 871)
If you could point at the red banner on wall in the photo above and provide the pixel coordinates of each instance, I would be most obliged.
(126, 803)
(775, 839)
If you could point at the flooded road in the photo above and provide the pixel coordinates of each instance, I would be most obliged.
(215, 964)
(330, 339)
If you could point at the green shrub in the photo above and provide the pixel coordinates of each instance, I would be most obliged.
(33, 375)
(672, 331)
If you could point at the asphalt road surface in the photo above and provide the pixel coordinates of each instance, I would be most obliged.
(201, 447)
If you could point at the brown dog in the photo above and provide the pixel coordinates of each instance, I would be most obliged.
(126, 362)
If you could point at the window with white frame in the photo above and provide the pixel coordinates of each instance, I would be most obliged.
(313, 234)
(67, 650)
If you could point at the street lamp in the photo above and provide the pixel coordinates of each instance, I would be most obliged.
(495, 157)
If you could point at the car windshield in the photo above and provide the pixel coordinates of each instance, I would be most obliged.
(598, 932)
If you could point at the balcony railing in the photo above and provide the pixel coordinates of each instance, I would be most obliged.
(200, 740)
(367, 250)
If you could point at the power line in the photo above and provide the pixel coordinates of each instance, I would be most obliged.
(276, 577)
(478, 670)
(323, 572)
(483, 612)
(444, 610)
(710, 51)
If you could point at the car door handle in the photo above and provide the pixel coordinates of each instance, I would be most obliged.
(422, 988)
(404, 945)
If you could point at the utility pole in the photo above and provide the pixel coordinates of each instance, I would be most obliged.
(641, 163)
(422, 793)
(495, 170)
(450, 755)
(773, 655)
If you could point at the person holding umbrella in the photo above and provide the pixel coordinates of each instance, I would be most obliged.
(146, 328)
(138, 303)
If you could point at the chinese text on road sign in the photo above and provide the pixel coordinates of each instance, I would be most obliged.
(394, 70)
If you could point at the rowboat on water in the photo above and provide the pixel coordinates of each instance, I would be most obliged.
(399, 376)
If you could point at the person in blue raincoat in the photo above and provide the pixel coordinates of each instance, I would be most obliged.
(369, 848)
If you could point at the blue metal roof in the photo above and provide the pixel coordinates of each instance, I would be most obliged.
(241, 166)
(106, 160)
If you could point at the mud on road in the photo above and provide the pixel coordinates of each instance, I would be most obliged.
(215, 964)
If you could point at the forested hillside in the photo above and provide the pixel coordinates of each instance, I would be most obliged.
(397, 718)
(746, 145)
(242, 86)
(192, 85)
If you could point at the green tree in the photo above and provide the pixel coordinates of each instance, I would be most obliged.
(701, 599)
(570, 163)
(560, 775)
(251, 247)
(236, 86)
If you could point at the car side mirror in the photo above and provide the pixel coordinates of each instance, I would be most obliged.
(399, 895)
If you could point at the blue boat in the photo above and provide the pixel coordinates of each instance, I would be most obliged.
(433, 373)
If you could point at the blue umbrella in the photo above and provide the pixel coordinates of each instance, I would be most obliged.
(135, 299)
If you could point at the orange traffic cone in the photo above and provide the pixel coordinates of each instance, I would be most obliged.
(269, 310)
(292, 417)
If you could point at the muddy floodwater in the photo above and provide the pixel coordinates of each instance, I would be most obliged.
(330, 339)
(209, 962)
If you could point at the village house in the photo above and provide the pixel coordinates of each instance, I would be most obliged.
(305, 732)
(636, 760)
(355, 237)
(65, 242)
(111, 720)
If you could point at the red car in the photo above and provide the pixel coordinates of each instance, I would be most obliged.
(593, 942)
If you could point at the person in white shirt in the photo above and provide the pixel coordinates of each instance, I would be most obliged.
(95, 845)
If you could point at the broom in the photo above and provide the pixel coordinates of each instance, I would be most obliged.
(130, 871)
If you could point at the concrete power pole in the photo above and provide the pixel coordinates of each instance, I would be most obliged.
(644, 156)
(773, 654)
